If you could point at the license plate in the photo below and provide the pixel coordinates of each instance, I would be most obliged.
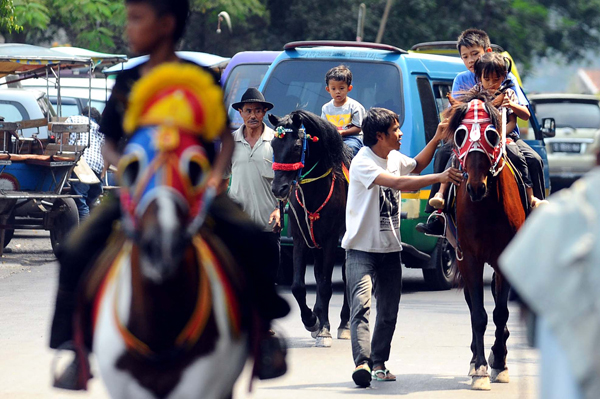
(566, 147)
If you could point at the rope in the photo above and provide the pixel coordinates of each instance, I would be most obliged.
(306, 181)
(311, 217)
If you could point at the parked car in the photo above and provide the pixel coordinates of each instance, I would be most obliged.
(577, 117)
(413, 85)
(245, 69)
(22, 105)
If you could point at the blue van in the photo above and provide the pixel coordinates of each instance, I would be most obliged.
(411, 84)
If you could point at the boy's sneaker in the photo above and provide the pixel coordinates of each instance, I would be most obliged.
(362, 375)
(433, 227)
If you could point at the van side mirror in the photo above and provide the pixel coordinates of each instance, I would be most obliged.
(548, 127)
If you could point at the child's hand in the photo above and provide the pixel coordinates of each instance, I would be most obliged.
(507, 103)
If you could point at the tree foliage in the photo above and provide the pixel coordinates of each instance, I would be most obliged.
(7, 16)
(526, 28)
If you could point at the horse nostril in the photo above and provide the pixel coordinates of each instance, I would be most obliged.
(284, 190)
(469, 189)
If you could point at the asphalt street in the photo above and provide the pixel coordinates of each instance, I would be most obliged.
(430, 352)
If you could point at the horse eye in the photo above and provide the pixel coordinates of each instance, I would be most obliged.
(492, 136)
(130, 173)
(196, 173)
(460, 136)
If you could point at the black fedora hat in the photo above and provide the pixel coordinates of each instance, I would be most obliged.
(252, 95)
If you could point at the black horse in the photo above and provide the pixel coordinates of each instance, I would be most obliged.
(310, 164)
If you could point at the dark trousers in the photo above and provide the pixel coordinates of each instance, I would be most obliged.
(275, 243)
(535, 164)
(380, 273)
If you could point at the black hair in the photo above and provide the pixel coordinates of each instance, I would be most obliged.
(491, 63)
(378, 120)
(340, 73)
(473, 37)
(93, 113)
(180, 9)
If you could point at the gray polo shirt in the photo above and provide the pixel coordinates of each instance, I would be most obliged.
(251, 176)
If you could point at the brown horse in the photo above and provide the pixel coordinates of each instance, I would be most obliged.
(488, 214)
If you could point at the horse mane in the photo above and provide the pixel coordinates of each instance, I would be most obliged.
(331, 140)
(455, 114)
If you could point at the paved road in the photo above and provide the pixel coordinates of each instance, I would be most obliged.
(430, 351)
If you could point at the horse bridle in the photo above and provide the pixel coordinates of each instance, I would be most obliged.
(280, 133)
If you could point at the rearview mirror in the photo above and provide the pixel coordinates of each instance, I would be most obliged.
(548, 127)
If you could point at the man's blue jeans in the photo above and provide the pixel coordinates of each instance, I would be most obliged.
(383, 271)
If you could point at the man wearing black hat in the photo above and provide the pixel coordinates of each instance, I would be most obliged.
(251, 173)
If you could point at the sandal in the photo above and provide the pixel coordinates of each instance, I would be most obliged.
(362, 375)
(383, 375)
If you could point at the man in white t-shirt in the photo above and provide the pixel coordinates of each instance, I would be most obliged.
(372, 239)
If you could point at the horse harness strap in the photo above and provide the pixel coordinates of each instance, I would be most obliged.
(312, 179)
(313, 216)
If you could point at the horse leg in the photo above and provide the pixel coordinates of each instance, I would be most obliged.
(472, 272)
(344, 328)
(497, 359)
(310, 321)
(324, 262)
(473, 346)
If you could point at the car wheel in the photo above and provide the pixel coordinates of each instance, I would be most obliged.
(443, 261)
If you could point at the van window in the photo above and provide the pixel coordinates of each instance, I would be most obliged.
(300, 84)
(239, 80)
(440, 91)
(12, 113)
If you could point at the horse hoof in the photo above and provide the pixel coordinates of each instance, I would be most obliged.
(324, 339)
(324, 342)
(481, 383)
(314, 329)
(472, 369)
(343, 333)
(500, 376)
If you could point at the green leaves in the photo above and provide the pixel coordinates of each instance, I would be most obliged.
(8, 20)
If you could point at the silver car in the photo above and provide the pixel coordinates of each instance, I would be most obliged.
(577, 116)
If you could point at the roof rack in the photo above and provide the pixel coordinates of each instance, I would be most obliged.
(446, 45)
(339, 43)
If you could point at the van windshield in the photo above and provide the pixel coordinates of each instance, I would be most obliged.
(300, 84)
(575, 115)
(241, 78)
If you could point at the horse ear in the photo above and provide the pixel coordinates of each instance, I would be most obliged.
(497, 102)
(296, 120)
(274, 120)
(453, 101)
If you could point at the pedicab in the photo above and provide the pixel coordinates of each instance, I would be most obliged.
(35, 167)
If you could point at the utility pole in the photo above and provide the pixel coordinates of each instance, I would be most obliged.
(360, 27)
(386, 13)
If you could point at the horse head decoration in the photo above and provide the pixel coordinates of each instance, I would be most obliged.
(488, 214)
(310, 162)
(167, 312)
(474, 130)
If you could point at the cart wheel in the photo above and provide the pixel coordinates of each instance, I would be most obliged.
(64, 217)
(9, 233)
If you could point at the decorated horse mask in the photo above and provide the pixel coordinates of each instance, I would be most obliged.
(172, 113)
(478, 133)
